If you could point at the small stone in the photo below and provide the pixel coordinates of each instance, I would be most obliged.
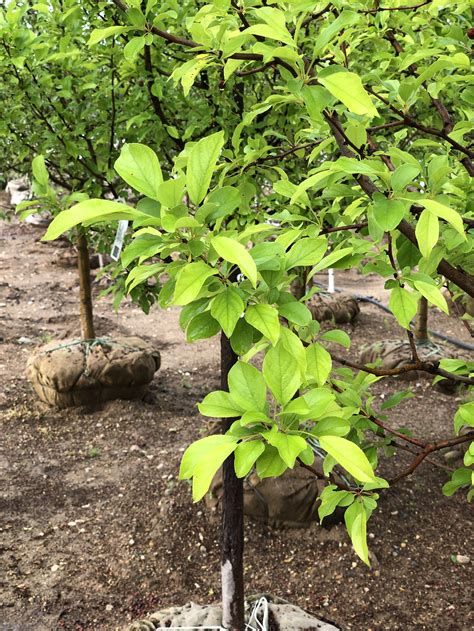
(453, 455)
(134, 448)
(131, 542)
(24, 340)
(203, 549)
(54, 568)
(462, 558)
(109, 607)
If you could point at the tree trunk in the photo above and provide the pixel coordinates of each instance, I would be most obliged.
(85, 296)
(421, 328)
(232, 533)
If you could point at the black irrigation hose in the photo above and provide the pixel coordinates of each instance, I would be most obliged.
(441, 336)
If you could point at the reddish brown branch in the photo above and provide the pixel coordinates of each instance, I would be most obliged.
(442, 444)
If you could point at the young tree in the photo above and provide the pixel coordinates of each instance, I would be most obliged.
(349, 146)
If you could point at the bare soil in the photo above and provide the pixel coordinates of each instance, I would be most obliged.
(96, 530)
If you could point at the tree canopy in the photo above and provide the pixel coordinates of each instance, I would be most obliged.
(265, 142)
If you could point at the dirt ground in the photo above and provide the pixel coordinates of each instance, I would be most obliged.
(96, 530)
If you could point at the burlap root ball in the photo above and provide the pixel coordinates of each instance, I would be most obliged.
(281, 616)
(339, 309)
(69, 373)
(289, 501)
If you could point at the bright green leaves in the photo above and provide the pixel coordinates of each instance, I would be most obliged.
(265, 319)
(289, 446)
(202, 459)
(234, 252)
(464, 416)
(190, 280)
(355, 518)
(138, 165)
(202, 326)
(427, 229)
(202, 161)
(246, 455)
(100, 34)
(388, 212)
(226, 308)
(273, 26)
(403, 304)
(427, 232)
(444, 212)
(347, 88)
(281, 373)
(305, 252)
(349, 456)
(88, 212)
(318, 363)
(40, 172)
(247, 386)
(247, 392)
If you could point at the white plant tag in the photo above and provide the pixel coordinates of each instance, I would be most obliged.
(119, 237)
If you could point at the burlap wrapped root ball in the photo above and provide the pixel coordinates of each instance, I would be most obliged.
(338, 309)
(72, 372)
(282, 616)
(288, 501)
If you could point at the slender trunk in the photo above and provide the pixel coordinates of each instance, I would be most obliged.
(421, 328)
(232, 533)
(85, 295)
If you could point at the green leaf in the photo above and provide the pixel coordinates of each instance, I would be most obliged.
(246, 455)
(234, 252)
(220, 404)
(189, 281)
(292, 343)
(247, 386)
(356, 523)
(296, 313)
(281, 373)
(40, 172)
(99, 34)
(265, 319)
(347, 88)
(307, 251)
(349, 456)
(445, 212)
(337, 336)
(332, 426)
(202, 459)
(138, 165)
(201, 164)
(88, 212)
(328, 33)
(226, 308)
(242, 337)
(460, 477)
(330, 259)
(170, 192)
(388, 212)
(289, 445)
(403, 304)
(403, 175)
(432, 294)
(274, 27)
(270, 464)
(318, 363)
(427, 232)
(201, 327)
(133, 48)
(330, 500)
(464, 416)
